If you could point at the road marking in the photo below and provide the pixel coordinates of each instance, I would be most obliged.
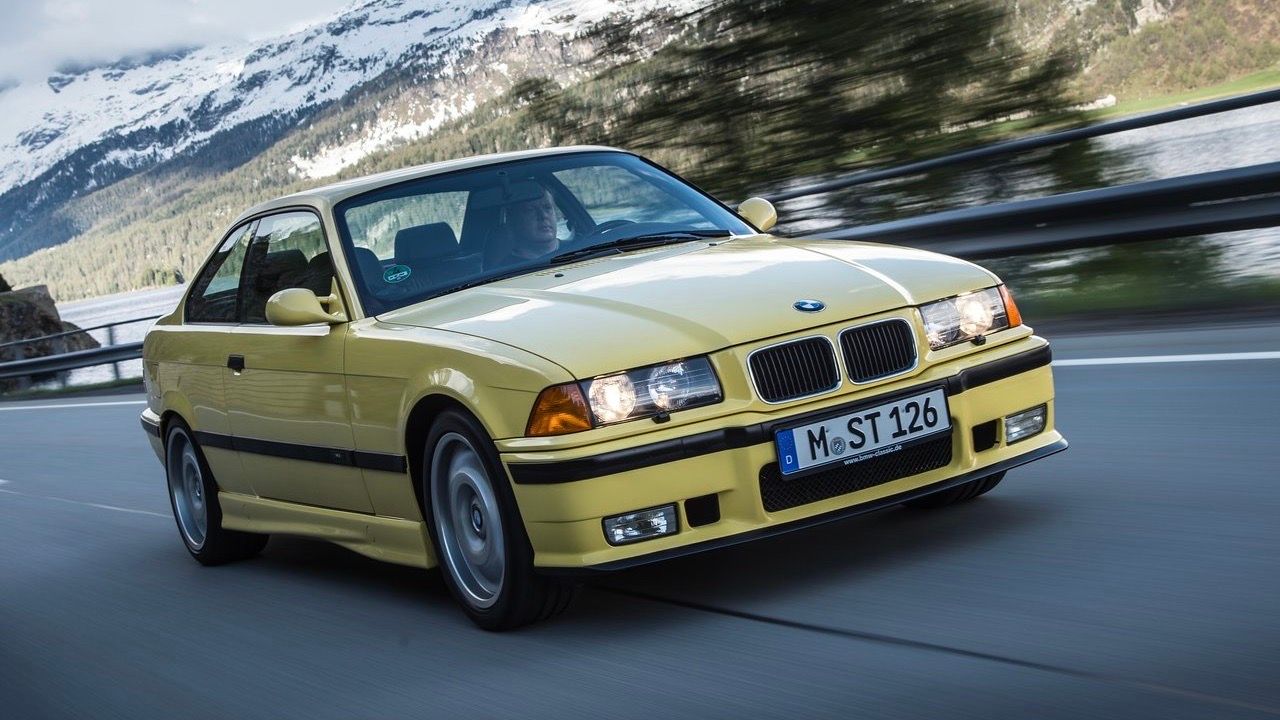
(1144, 359)
(99, 506)
(73, 405)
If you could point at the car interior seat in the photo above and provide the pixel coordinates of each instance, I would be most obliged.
(274, 274)
(432, 250)
(316, 276)
(370, 267)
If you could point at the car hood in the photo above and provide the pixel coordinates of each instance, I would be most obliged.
(628, 310)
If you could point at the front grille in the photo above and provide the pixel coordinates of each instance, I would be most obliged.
(795, 369)
(780, 493)
(878, 350)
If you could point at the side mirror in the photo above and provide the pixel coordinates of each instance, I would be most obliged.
(759, 212)
(298, 306)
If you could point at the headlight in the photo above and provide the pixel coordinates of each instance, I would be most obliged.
(643, 392)
(613, 398)
(651, 390)
(968, 316)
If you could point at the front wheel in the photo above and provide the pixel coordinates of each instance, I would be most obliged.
(193, 495)
(957, 494)
(479, 538)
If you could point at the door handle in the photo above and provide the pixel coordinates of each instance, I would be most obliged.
(235, 362)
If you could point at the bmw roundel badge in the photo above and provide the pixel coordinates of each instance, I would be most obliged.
(809, 305)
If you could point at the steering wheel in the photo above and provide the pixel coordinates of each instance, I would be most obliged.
(606, 226)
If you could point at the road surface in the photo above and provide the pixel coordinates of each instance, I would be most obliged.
(1136, 575)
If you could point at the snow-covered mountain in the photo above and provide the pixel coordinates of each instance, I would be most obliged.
(89, 128)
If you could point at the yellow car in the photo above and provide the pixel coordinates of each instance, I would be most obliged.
(528, 367)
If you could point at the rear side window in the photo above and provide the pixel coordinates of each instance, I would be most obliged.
(288, 251)
(214, 295)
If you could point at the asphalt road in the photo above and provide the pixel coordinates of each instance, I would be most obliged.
(1136, 575)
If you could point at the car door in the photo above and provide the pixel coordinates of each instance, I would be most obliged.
(286, 393)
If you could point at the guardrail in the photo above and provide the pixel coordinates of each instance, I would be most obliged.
(109, 327)
(1222, 201)
(71, 360)
(1010, 147)
(111, 353)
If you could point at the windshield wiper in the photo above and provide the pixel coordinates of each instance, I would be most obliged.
(638, 242)
(484, 280)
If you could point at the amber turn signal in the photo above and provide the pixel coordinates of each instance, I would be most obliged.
(1010, 307)
(559, 409)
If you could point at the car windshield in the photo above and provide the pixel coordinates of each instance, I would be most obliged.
(428, 237)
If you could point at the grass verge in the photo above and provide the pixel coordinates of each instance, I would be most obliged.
(1253, 82)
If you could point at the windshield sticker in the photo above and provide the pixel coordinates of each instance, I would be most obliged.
(396, 273)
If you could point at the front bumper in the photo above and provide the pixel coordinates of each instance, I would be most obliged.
(563, 500)
(151, 424)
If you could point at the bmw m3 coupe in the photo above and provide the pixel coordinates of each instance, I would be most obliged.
(525, 368)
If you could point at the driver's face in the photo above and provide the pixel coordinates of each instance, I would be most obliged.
(533, 224)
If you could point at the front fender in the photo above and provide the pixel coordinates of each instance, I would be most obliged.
(391, 368)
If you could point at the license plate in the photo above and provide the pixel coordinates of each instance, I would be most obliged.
(862, 434)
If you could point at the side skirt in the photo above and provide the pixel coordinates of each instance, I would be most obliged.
(403, 542)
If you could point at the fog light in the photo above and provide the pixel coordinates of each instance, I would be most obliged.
(641, 525)
(1022, 425)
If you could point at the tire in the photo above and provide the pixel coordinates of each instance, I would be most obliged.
(193, 496)
(481, 544)
(957, 494)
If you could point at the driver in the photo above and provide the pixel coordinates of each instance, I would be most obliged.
(530, 227)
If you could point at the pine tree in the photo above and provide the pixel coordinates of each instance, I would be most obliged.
(821, 86)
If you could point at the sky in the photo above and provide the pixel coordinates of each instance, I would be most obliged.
(39, 36)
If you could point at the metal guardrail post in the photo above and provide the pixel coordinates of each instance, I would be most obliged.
(111, 340)
(59, 348)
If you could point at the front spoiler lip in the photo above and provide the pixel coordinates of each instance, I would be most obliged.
(804, 523)
(732, 438)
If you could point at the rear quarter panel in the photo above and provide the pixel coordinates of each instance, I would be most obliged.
(185, 366)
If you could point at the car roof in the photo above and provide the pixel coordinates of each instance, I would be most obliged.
(327, 196)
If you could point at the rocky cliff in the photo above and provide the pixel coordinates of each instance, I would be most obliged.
(31, 313)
